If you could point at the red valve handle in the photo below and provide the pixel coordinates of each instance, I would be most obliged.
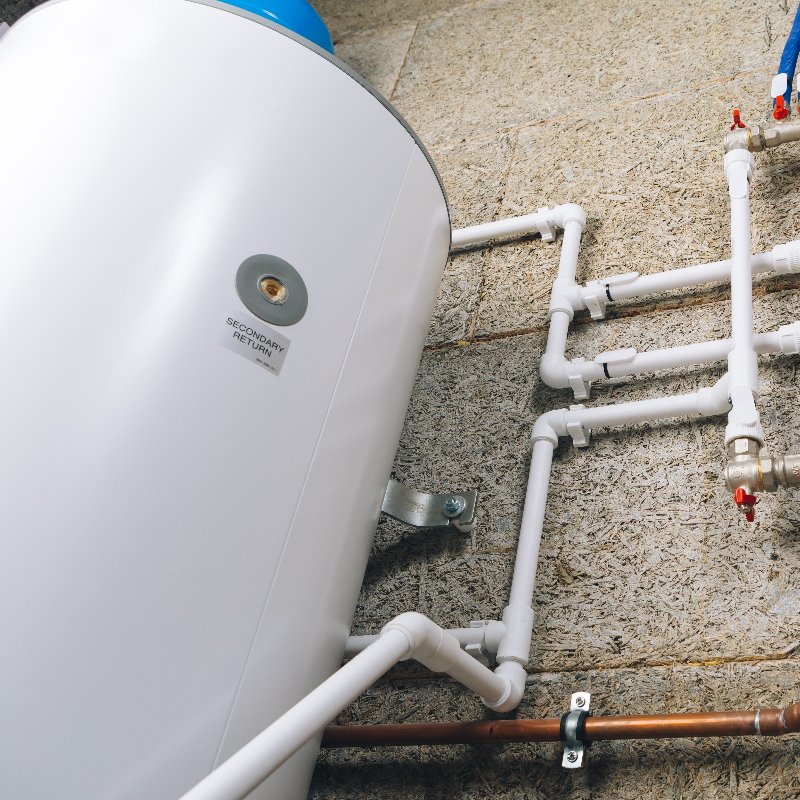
(746, 502)
(780, 111)
(737, 120)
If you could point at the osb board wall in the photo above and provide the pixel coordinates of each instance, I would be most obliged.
(652, 592)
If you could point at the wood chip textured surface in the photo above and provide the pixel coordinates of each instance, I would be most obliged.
(652, 593)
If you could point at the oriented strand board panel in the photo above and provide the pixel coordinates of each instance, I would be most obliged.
(652, 593)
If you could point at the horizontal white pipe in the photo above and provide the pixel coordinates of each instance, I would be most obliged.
(544, 221)
(464, 636)
(682, 405)
(559, 371)
(502, 228)
(689, 355)
(705, 402)
(681, 278)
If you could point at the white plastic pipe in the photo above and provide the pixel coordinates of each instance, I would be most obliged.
(486, 635)
(436, 649)
(4, 26)
(683, 405)
(743, 420)
(570, 247)
(503, 228)
(557, 334)
(681, 278)
(562, 300)
(783, 259)
(739, 165)
(688, 355)
(523, 581)
(544, 222)
(518, 615)
(618, 364)
(259, 758)
(410, 635)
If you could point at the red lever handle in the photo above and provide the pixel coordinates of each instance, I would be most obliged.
(780, 111)
(747, 503)
(737, 120)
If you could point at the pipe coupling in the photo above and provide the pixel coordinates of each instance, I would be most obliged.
(764, 138)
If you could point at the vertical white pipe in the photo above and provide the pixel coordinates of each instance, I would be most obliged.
(246, 769)
(557, 334)
(568, 263)
(514, 648)
(743, 421)
(561, 311)
(741, 259)
(523, 582)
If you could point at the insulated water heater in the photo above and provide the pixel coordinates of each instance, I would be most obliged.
(219, 252)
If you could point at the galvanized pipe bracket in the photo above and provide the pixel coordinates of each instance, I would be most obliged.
(573, 725)
(429, 510)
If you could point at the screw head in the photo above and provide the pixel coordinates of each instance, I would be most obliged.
(453, 506)
(572, 756)
(580, 702)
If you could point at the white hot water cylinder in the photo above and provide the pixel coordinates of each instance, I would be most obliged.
(219, 252)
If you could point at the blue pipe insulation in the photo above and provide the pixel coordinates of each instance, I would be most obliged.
(296, 15)
(791, 50)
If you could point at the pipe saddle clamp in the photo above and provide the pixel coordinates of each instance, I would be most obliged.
(573, 730)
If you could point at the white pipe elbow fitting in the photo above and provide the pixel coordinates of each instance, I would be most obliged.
(553, 371)
(568, 212)
(440, 651)
(714, 400)
(514, 674)
(549, 427)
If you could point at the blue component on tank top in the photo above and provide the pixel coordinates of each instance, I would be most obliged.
(296, 15)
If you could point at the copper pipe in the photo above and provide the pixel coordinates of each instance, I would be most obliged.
(764, 722)
(499, 731)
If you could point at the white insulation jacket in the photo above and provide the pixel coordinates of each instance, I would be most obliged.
(188, 492)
